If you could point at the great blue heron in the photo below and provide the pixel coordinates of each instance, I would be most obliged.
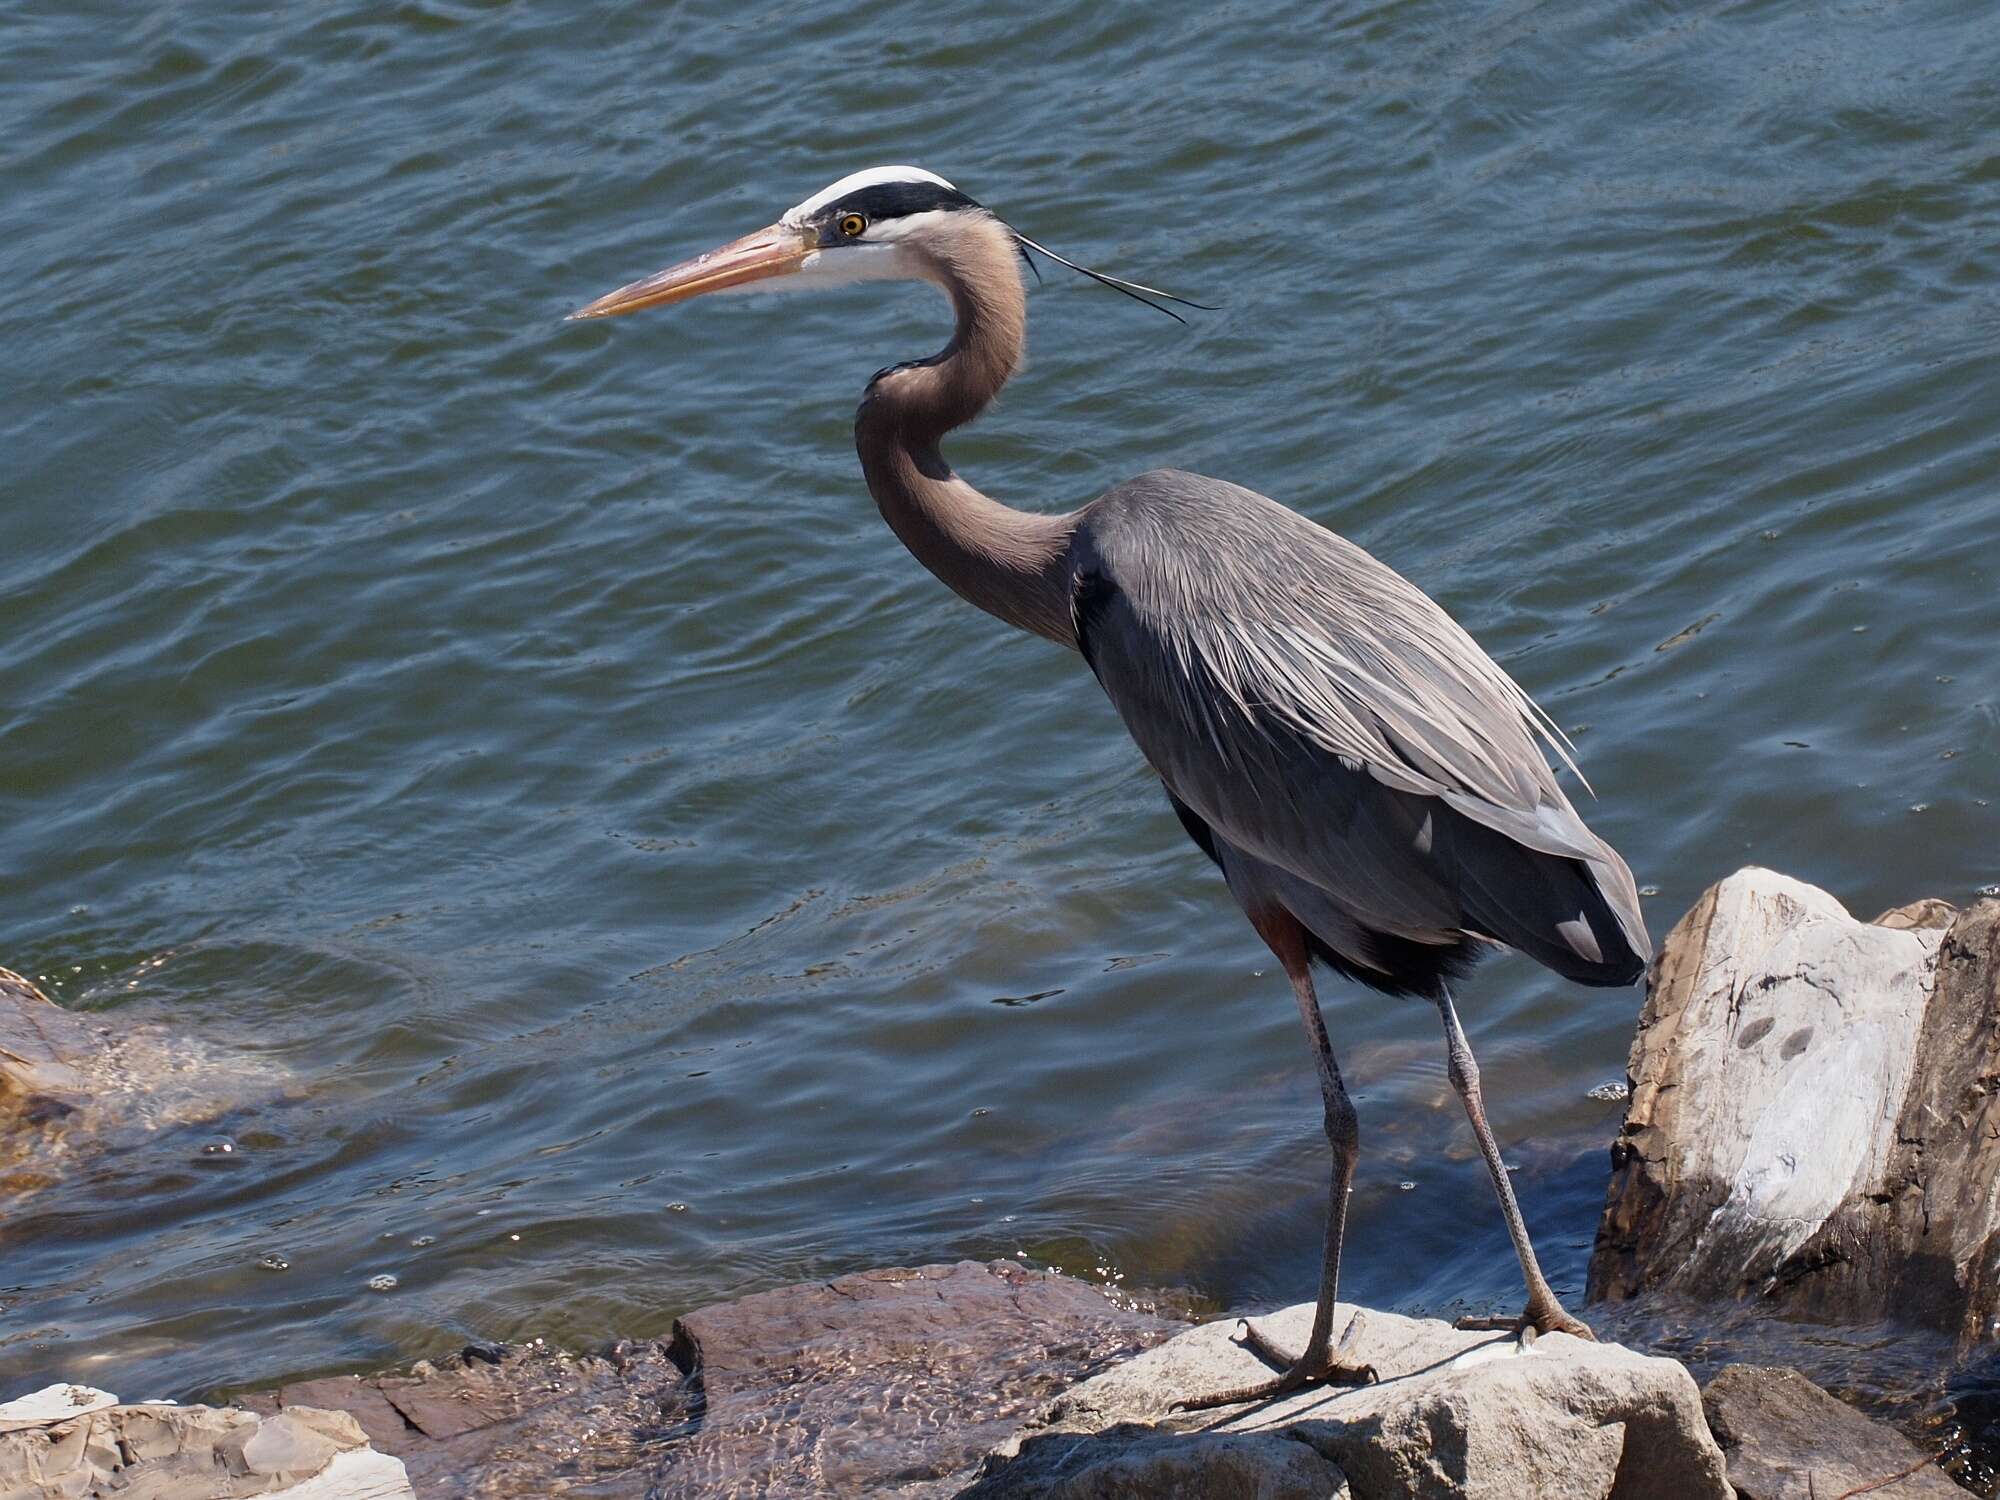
(1370, 782)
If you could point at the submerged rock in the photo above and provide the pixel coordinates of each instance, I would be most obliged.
(1455, 1414)
(78, 1085)
(525, 1420)
(883, 1383)
(1813, 1104)
(1786, 1439)
(41, 1084)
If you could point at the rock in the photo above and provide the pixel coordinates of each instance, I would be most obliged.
(154, 1432)
(885, 1378)
(36, 1038)
(280, 1446)
(530, 1421)
(73, 1442)
(1930, 914)
(1133, 1461)
(40, 1087)
(74, 1084)
(1455, 1414)
(358, 1399)
(339, 1426)
(883, 1383)
(1811, 1101)
(52, 1403)
(357, 1474)
(1786, 1439)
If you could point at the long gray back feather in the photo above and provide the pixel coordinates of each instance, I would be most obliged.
(1272, 671)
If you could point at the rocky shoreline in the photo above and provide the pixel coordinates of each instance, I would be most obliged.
(987, 1382)
(1810, 1135)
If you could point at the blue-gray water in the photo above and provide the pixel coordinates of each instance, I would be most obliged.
(527, 738)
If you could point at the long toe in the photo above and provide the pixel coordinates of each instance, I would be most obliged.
(1251, 1337)
(1297, 1376)
(1554, 1319)
(1535, 1320)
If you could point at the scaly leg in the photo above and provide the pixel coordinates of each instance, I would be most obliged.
(1319, 1362)
(1544, 1313)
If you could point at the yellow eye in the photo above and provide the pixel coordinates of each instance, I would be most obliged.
(851, 225)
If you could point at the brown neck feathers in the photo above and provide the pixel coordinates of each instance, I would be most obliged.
(1008, 562)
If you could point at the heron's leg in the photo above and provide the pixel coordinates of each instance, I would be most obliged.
(1319, 1362)
(1544, 1313)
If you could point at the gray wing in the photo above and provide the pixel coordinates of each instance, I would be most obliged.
(1326, 719)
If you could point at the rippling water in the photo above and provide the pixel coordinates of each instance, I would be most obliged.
(644, 884)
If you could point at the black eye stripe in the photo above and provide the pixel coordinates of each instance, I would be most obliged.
(897, 200)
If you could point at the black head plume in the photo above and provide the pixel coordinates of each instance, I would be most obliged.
(1135, 290)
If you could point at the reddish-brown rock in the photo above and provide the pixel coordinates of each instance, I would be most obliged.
(889, 1382)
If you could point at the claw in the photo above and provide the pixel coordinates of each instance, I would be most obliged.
(1295, 1374)
(1262, 1347)
(1296, 1378)
(1533, 1321)
(1562, 1322)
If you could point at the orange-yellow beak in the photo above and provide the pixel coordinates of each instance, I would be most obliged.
(777, 251)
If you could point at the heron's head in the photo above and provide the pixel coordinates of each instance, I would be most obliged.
(882, 224)
(887, 223)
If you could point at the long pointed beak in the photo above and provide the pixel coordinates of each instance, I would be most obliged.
(776, 251)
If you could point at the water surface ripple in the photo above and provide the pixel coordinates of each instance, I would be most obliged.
(526, 741)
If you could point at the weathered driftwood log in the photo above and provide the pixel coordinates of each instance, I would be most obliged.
(1813, 1117)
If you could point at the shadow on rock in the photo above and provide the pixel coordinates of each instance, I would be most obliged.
(1455, 1415)
(1134, 1459)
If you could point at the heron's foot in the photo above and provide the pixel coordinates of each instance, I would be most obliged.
(1309, 1369)
(1537, 1319)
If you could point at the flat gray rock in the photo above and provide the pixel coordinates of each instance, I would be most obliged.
(1455, 1416)
(1812, 1105)
(1786, 1439)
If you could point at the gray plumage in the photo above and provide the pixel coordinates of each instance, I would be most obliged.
(1358, 756)
(1373, 786)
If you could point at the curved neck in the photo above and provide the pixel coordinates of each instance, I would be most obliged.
(1008, 562)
